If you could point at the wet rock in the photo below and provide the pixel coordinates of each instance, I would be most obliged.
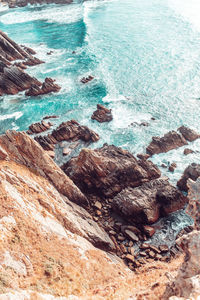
(163, 248)
(146, 203)
(149, 231)
(132, 236)
(192, 172)
(50, 117)
(143, 156)
(102, 114)
(187, 151)
(130, 258)
(144, 246)
(108, 170)
(38, 127)
(67, 131)
(172, 167)
(47, 87)
(169, 141)
(87, 79)
(66, 151)
(189, 134)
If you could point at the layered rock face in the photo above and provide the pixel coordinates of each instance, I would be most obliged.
(192, 172)
(13, 79)
(102, 114)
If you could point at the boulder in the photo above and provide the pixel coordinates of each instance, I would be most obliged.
(108, 170)
(169, 141)
(87, 79)
(187, 151)
(189, 134)
(39, 127)
(146, 203)
(102, 114)
(192, 172)
(47, 87)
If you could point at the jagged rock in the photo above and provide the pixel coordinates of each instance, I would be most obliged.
(87, 79)
(187, 151)
(149, 231)
(189, 134)
(33, 61)
(50, 117)
(108, 170)
(102, 114)
(192, 172)
(47, 87)
(22, 3)
(146, 203)
(187, 282)
(172, 167)
(169, 141)
(39, 127)
(143, 156)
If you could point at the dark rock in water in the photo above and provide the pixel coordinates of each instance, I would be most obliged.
(146, 203)
(50, 117)
(32, 61)
(187, 151)
(102, 114)
(172, 167)
(23, 3)
(108, 170)
(87, 79)
(149, 231)
(143, 156)
(28, 50)
(189, 134)
(192, 172)
(169, 141)
(39, 127)
(48, 86)
(67, 131)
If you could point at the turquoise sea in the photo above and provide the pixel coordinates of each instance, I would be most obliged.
(144, 54)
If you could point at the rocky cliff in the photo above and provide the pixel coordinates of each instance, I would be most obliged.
(50, 247)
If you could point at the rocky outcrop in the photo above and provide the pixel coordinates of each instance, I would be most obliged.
(193, 208)
(13, 79)
(102, 114)
(87, 79)
(169, 141)
(187, 282)
(189, 134)
(19, 147)
(172, 140)
(39, 127)
(48, 86)
(67, 131)
(108, 170)
(192, 172)
(146, 203)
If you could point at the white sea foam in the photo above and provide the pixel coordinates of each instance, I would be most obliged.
(59, 14)
(3, 7)
(15, 115)
(188, 9)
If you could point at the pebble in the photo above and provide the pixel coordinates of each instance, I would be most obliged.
(130, 258)
(131, 235)
(164, 248)
(98, 205)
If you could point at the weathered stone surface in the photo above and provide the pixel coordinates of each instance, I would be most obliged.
(22, 3)
(146, 203)
(39, 127)
(187, 282)
(187, 151)
(108, 170)
(102, 114)
(48, 86)
(87, 79)
(189, 134)
(24, 150)
(169, 141)
(67, 131)
(192, 172)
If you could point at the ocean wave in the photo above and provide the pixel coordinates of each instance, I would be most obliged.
(15, 116)
(59, 14)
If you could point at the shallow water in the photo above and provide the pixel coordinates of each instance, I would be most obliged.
(145, 58)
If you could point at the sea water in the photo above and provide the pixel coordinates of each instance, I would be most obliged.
(144, 55)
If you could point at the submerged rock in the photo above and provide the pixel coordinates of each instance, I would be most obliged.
(146, 203)
(102, 114)
(108, 170)
(169, 141)
(192, 172)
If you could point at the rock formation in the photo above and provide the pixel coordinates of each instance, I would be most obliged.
(108, 170)
(172, 140)
(13, 79)
(146, 203)
(102, 114)
(38, 127)
(192, 172)
(22, 3)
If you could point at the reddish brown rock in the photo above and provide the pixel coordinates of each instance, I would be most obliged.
(102, 114)
(108, 170)
(39, 127)
(149, 231)
(172, 167)
(192, 172)
(169, 141)
(187, 151)
(146, 203)
(48, 86)
(87, 79)
(189, 134)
